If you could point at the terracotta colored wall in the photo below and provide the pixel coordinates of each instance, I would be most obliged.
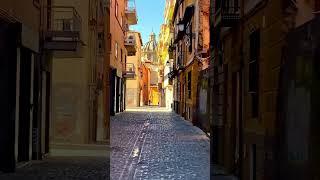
(117, 34)
(133, 85)
(145, 84)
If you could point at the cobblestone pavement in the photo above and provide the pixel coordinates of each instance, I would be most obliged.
(157, 145)
(76, 168)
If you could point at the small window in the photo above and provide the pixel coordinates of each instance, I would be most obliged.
(189, 84)
(121, 56)
(121, 20)
(116, 8)
(116, 50)
(254, 72)
(67, 25)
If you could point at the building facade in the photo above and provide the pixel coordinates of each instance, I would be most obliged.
(75, 33)
(132, 72)
(151, 63)
(60, 61)
(25, 81)
(253, 127)
(122, 15)
(191, 48)
(145, 83)
(166, 58)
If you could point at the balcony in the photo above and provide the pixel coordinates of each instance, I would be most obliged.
(131, 12)
(64, 33)
(130, 71)
(173, 73)
(227, 13)
(130, 44)
(180, 32)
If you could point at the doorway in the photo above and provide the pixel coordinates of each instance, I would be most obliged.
(8, 71)
(253, 162)
(26, 105)
(112, 80)
(118, 84)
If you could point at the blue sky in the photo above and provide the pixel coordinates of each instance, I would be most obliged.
(150, 17)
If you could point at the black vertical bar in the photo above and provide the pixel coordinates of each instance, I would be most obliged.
(8, 64)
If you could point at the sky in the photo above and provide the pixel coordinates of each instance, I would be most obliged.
(150, 17)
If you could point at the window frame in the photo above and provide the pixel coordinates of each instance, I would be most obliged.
(116, 50)
(121, 58)
(254, 71)
(116, 9)
(189, 85)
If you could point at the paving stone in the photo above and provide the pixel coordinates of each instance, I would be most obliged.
(157, 145)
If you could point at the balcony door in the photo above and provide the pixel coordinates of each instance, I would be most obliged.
(26, 105)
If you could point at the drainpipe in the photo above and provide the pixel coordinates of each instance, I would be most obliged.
(92, 72)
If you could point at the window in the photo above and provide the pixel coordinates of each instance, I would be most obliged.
(116, 50)
(116, 8)
(121, 21)
(190, 37)
(121, 55)
(189, 84)
(254, 72)
(67, 25)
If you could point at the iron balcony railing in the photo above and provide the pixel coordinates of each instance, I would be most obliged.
(131, 6)
(130, 40)
(64, 29)
(227, 12)
(130, 44)
(130, 71)
(65, 19)
(131, 12)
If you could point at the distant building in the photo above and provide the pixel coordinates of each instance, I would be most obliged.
(122, 15)
(166, 56)
(151, 61)
(190, 47)
(133, 75)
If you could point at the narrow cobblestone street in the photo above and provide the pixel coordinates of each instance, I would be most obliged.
(156, 144)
